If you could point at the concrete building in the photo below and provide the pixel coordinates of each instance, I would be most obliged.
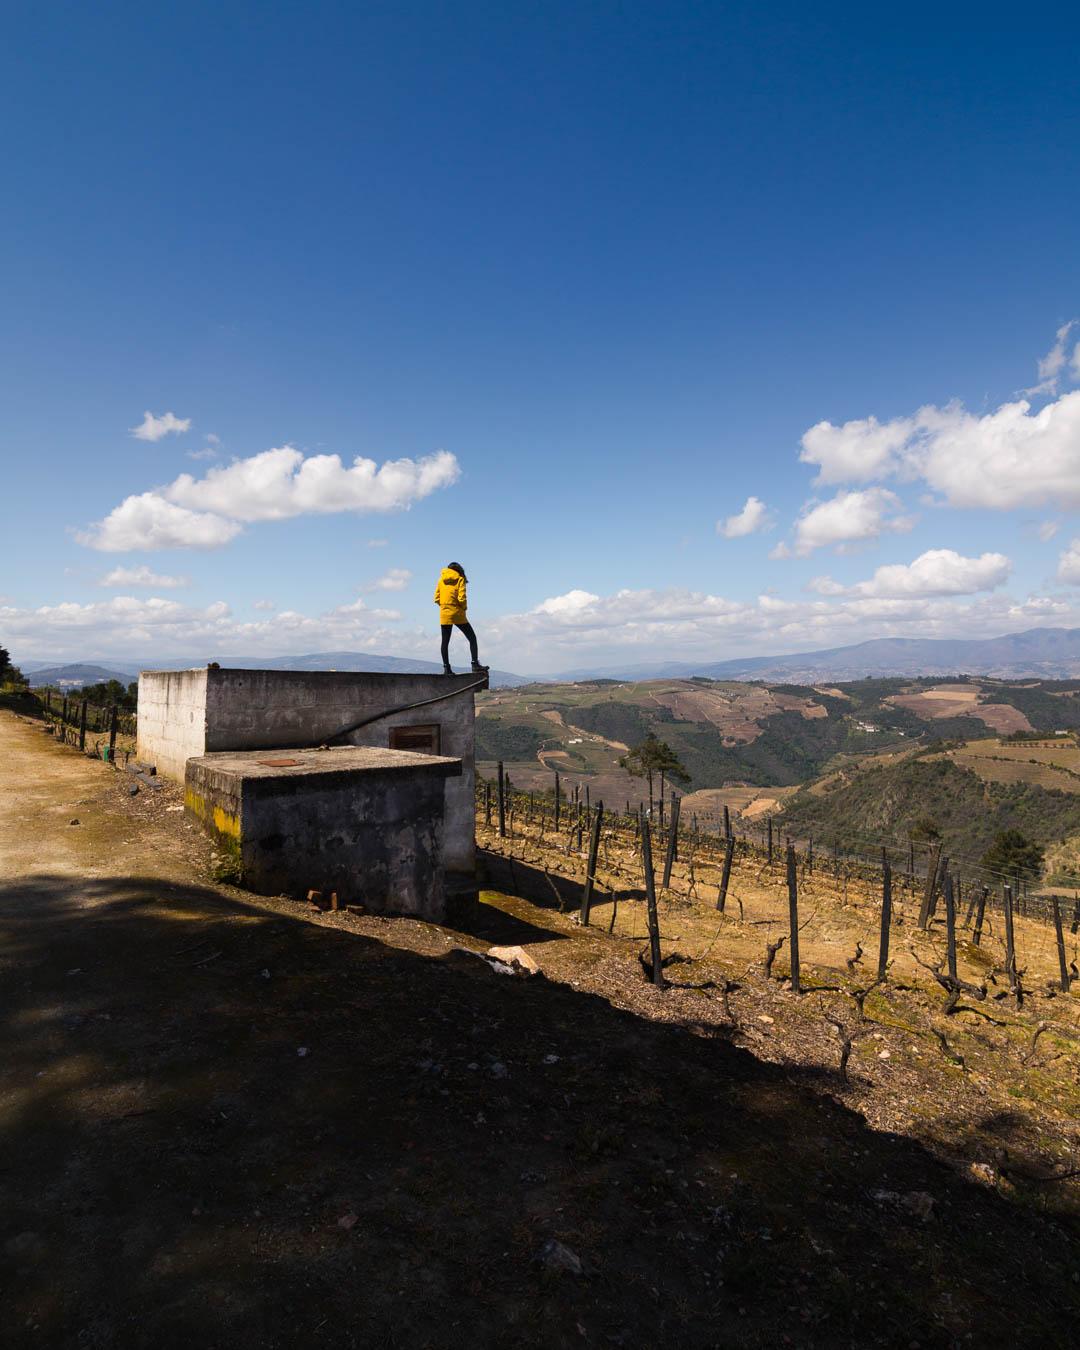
(186, 713)
(366, 825)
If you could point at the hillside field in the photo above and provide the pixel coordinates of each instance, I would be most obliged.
(749, 746)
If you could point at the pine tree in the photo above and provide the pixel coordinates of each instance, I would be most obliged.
(654, 757)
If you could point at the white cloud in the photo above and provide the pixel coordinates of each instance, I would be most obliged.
(577, 627)
(1048, 529)
(280, 483)
(1012, 457)
(377, 543)
(274, 485)
(141, 576)
(1006, 459)
(126, 625)
(208, 452)
(360, 607)
(844, 521)
(857, 452)
(395, 579)
(939, 571)
(752, 517)
(573, 602)
(149, 522)
(267, 605)
(632, 611)
(1069, 564)
(1053, 363)
(825, 586)
(581, 626)
(153, 428)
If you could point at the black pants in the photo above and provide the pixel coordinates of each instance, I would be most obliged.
(467, 629)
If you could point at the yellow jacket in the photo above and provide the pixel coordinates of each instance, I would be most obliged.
(450, 596)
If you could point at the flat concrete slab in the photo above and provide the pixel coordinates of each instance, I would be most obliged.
(361, 821)
(346, 759)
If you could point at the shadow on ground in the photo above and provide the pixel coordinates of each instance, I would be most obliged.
(545, 889)
(225, 1128)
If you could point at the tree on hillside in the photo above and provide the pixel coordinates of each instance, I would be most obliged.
(107, 693)
(654, 758)
(9, 674)
(924, 831)
(1013, 854)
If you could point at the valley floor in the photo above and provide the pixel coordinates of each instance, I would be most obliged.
(233, 1122)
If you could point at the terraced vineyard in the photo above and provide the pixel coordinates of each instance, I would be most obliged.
(841, 762)
(1048, 765)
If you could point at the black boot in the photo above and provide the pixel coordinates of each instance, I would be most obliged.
(478, 669)
(447, 670)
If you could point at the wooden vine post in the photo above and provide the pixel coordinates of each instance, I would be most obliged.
(590, 871)
(793, 917)
(650, 899)
(113, 719)
(980, 914)
(950, 923)
(972, 902)
(725, 876)
(1062, 966)
(886, 916)
(928, 894)
(82, 726)
(501, 787)
(942, 872)
(1010, 945)
(673, 841)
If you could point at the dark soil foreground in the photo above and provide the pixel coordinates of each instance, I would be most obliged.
(227, 1127)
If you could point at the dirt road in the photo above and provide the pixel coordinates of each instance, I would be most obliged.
(233, 1124)
(45, 786)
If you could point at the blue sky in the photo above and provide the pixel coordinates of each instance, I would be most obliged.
(579, 281)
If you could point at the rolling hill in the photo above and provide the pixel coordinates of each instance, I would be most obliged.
(1045, 653)
(75, 676)
(862, 811)
(756, 746)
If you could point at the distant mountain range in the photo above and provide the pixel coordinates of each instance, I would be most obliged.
(1039, 653)
(1044, 653)
(78, 674)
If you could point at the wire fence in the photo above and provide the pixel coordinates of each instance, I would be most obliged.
(103, 730)
(946, 911)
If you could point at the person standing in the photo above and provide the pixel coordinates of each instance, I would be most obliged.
(450, 596)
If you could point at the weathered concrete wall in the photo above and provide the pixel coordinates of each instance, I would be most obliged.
(172, 718)
(367, 824)
(274, 709)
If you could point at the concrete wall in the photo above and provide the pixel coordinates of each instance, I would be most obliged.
(285, 709)
(366, 824)
(172, 718)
